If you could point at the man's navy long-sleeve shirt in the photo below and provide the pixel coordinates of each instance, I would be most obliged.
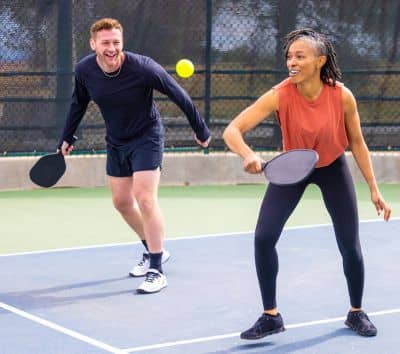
(126, 100)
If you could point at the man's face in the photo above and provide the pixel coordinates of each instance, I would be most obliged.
(108, 46)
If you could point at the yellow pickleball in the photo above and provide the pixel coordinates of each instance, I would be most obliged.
(184, 68)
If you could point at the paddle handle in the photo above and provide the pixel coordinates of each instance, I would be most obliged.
(263, 165)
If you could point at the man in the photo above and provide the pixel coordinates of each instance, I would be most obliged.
(121, 83)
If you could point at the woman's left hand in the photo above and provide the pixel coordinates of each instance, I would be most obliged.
(381, 205)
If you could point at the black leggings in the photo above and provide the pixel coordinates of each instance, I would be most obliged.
(279, 202)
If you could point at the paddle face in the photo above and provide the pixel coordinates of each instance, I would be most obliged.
(48, 170)
(291, 167)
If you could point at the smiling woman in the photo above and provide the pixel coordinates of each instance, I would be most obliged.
(316, 112)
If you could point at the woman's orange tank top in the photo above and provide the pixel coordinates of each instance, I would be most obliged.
(317, 124)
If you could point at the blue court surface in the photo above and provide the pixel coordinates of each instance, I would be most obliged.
(82, 300)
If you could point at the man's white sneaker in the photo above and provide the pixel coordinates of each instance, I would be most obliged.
(154, 282)
(165, 256)
(143, 266)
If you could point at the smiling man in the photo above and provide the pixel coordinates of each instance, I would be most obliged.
(121, 83)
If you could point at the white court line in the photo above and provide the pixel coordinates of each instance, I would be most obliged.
(111, 349)
(61, 329)
(178, 239)
(122, 244)
(236, 334)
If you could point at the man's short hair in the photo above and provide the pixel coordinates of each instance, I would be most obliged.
(104, 24)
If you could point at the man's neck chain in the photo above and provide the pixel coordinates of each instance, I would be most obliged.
(112, 75)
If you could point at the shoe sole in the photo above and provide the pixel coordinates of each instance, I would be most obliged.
(136, 275)
(361, 333)
(275, 331)
(142, 291)
(142, 275)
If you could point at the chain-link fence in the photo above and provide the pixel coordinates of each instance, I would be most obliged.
(235, 45)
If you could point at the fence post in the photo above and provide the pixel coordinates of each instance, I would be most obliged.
(207, 82)
(207, 90)
(64, 60)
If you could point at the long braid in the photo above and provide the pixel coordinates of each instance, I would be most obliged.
(330, 72)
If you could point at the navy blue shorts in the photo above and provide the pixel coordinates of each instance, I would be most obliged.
(142, 154)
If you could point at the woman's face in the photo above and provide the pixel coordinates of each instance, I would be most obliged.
(303, 61)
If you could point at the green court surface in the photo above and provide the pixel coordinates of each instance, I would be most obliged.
(73, 217)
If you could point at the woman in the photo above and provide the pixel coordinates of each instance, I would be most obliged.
(314, 111)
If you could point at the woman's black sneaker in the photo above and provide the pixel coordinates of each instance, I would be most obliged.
(358, 321)
(265, 325)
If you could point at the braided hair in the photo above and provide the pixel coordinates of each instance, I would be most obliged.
(330, 72)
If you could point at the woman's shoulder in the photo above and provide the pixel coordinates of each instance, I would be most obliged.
(284, 84)
(339, 84)
(344, 91)
(336, 90)
(335, 85)
(348, 98)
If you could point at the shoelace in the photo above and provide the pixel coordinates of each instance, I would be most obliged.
(363, 316)
(144, 259)
(259, 322)
(150, 277)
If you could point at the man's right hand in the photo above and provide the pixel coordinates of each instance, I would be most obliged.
(203, 144)
(66, 149)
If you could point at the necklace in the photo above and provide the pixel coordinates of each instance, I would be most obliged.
(115, 73)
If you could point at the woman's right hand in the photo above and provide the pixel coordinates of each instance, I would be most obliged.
(252, 163)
